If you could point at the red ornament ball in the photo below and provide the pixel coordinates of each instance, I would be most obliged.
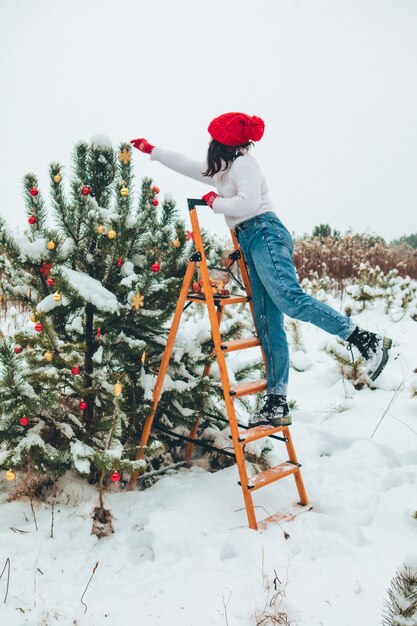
(75, 370)
(115, 477)
(83, 405)
(17, 349)
(24, 421)
(50, 281)
(32, 219)
(34, 191)
(38, 327)
(156, 189)
(98, 332)
(155, 202)
(120, 261)
(85, 190)
(155, 267)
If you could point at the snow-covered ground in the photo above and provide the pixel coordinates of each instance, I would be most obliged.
(182, 554)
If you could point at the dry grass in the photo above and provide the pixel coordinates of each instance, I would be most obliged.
(340, 258)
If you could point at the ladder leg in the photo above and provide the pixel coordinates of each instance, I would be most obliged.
(224, 376)
(193, 432)
(246, 281)
(163, 368)
(297, 476)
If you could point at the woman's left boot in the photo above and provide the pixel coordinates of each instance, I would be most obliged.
(374, 349)
(274, 412)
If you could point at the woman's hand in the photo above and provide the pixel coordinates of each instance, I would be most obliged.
(210, 197)
(143, 145)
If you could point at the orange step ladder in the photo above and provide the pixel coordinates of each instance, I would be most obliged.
(215, 305)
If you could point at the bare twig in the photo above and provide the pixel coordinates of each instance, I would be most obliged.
(33, 512)
(94, 571)
(224, 613)
(17, 530)
(7, 564)
(397, 392)
(53, 518)
(397, 419)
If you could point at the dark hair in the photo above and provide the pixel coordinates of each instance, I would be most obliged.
(219, 156)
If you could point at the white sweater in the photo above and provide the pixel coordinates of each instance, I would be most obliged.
(242, 188)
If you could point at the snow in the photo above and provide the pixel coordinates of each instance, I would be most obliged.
(91, 290)
(33, 251)
(81, 453)
(182, 553)
(48, 303)
(101, 141)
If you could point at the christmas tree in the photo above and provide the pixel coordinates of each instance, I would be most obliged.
(100, 285)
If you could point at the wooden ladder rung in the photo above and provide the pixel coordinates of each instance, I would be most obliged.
(219, 300)
(244, 389)
(259, 432)
(271, 475)
(240, 344)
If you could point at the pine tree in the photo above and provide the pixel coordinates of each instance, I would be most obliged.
(100, 285)
(350, 368)
(401, 608)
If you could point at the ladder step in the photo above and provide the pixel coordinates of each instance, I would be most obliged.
(240, 344)
(218, 299)
(259, 432)
(271, 475)
(244, 389)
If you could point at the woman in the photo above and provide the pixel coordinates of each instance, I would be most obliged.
(242, 197)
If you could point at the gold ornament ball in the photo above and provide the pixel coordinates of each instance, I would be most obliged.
(118, 388)
(33, 318)
(124, 191)
(10, 475)
(101, 229)
(51, 245)
(57, 296)
(48, 356)
(112, 234)
(176, 243)
(57, 178)
(1, 297)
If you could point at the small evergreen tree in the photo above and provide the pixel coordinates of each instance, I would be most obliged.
(401, 607)
(100, 286)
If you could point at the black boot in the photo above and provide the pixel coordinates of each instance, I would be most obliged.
(273, 413)
(374, 349)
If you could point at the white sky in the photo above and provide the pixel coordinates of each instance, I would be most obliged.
(334, 80)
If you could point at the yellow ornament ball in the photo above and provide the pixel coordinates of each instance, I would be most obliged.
(176, 243)
(118, 388)
(57, 178)
(48, 356)
(112, 234)
(124, 191)
(101, 229)
(57, 296)
(51, 245)
(33, 318)
(10, 475)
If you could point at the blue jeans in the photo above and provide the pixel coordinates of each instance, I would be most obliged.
(268, 248)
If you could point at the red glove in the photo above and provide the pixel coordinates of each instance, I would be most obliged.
(210, 197)
(143, 145)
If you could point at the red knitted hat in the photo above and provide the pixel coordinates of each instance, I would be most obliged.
(234, 129)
